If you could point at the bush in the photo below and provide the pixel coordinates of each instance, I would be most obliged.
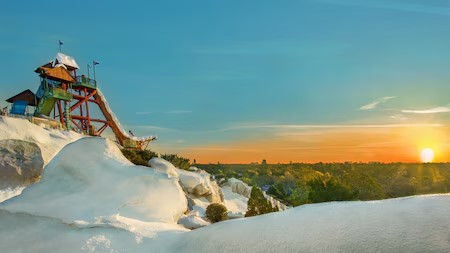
(139, 157)
(216, 212)
(177, 161)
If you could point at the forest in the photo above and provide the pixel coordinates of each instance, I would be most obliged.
(300, 183)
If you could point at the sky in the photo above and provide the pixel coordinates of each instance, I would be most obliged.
(237, 81)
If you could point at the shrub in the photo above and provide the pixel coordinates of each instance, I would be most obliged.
(177, 161)
(216, 212)
(141, 157)
(138, 157)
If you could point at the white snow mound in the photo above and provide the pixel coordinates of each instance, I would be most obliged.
(235, 203)
(192, 221)
(49, 141)
(197, 182)
(163, 166)
(90, 179)
(413, 224)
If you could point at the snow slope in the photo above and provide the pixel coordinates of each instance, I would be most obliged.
(49, 141)
(413, 224)
(91, 182)
(91, 199)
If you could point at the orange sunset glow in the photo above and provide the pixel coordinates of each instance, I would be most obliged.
(365, 144)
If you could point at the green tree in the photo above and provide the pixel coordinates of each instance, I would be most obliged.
(258, 204)
(330, 190)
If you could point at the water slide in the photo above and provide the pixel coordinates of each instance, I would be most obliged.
(125, 139)
(45, 106)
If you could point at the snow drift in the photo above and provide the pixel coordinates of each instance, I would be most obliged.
(50, 141)
(90, 181)
(412, 224)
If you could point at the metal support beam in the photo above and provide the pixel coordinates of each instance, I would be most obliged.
(82, 99)
(61, 118)
(78, 117)
(101, 129)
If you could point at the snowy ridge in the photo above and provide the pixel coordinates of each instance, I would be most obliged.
(50, 141)
(106, 184)
(116, 120)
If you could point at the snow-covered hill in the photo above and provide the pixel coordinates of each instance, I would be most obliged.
(90, 180)
(50, 141)
(25, 149)
(91, 199)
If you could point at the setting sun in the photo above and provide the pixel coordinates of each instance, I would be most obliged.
(427, 155)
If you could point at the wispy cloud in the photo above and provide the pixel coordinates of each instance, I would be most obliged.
(441, 109)
(442, 8)
(179, 111)
(375, 103)
(398, 117)
(331, 126)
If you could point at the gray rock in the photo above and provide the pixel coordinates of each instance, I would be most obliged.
(21, 163)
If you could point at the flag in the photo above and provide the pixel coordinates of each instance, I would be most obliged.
(95, 63)
(60, 42)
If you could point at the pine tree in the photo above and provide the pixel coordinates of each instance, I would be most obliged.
(258, 204)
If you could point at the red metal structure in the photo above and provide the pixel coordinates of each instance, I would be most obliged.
(72, 97)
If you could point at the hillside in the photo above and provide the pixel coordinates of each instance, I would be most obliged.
(91, 199)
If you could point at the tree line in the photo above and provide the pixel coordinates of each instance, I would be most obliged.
(300, 183)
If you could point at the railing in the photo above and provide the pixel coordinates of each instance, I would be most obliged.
(86, 82)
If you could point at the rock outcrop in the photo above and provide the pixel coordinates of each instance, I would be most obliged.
(239, 187)
(200, 189)
(21, 163)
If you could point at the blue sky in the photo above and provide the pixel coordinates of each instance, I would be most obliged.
(210, 73)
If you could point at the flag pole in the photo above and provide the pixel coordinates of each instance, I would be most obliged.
(93, 66)
(88, 67)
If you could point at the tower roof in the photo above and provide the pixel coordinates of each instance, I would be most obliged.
(57, 73)
(68, 61)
